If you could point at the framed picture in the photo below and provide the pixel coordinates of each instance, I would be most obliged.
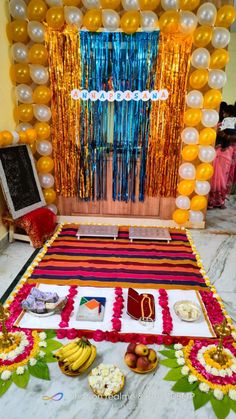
(19, 180)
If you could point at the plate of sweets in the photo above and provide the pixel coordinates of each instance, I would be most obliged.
(43, 304)
(106, 380)
(187, 311)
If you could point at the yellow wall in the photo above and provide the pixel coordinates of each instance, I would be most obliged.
(229, 92)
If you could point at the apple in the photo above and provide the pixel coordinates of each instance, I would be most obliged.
(143, 364)
(141, 350)
(130, 359)
(152, 356)
(131, 347)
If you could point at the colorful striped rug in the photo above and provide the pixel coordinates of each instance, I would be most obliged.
(103, 262)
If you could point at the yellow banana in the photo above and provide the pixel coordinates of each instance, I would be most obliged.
(82, 359)
(90, 360)
(72, 358)
(69, 353)
(61, 352)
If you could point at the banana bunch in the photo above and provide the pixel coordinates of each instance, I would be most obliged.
(77, 355)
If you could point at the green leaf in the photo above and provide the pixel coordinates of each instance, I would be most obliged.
(220, 407)
(4, 386)
(171, 363)
(50, 334)
(184, 386)
(52, 345)
(39, 370)
(200, 398)
(233, 405)
(21, 380)
(169, 346)
(168, 354)
(174, 374)
(48, 358)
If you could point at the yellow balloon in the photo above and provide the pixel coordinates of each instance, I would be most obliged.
(110, 4)
(20, 73)
(130, 21)
(45, 164)
(190, 152)
(188, 4)
(6, 138)
(36, 10)
(148, 4)
(42, 95)
(212, 99)
(169, 21)
(17, 31)
(204, 171)
(50, 195)
(55, 17)
(180, 216)
(225, 16)
(207, 136)
(186, 187)
(33, 147)
(219, 58)
(192, 117)
(93, 20)
(198, 78)
(198, 203)
(202, 36)
(71, 2)
(31, 135)
(43, 130)
(38, 54)
(24, 112)
(23, 137)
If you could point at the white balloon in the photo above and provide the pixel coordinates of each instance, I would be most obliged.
(44, 148)
(39, 74)
(206, 153)
(220, 37)
(196, 216)
(18, 9)
(46, 180)
(206, 14)
(190, 135)
(110, 19)
(187, 171)
(182, 202)
(19, 52)
(16, 137)
(54, 3)
(91, 4)
(202, 187)
(24, 93)
(42, 113)
(209, 118)
(194, 99)
(217, 79)
(23, 126)
(188, 21)
(53, 208)
(170, 4)
(200, 58)
(130, 4)
(36, 31)
(73, 16)
(149, 21)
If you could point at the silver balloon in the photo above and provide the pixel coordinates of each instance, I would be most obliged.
(110, 19)
(39, 74)
(42, 113)
(187, 171)
(54, 3)
(19, 52)
(73, 16)
(46, 180)
(24, 93)
(16, 137)
(23, 126)
(130, 4)
(44, 148)
(209, 118)
(202, 187)
(217, 79)
(194, 99)
(200, 58)
(53, 208)
(188, 21)
(206, 154)
(169, 4)
(91, 4)
(220, 37)
(196, 216)
(36, 31)
(18, 9)
(190, 135)
(206, 14)
(149, 21)
(182, 202)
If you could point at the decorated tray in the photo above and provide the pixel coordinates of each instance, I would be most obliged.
(187, 311)
(154, 366)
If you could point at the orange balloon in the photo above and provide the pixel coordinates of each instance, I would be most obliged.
(207, 136)
(23, 137)
(219, 58)
(180, 216)
(50, 195)
(17, 31)
(38, 54)
(42, 95)
(31, 135)
(33, 147)
(225, 16)
(169, 21)
(43, 130)
(188, 4)
(204, 171)
(186, 187)
(6, 138)
(190, 152)
(198, 203)
(55, 17)
(45, 164)
(93, 20)
(212, 99)
(148, 4)
(202, 36)
(130, 21)
(20, 73)
(110, 4)
(192, 117)
(198, 78)
(71, 2)
(36, 10)
(24, 112)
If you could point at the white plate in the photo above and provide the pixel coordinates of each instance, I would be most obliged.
(189, 305)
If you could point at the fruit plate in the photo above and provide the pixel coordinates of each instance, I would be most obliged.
(68, 372)
(187, 311)
(154, 365)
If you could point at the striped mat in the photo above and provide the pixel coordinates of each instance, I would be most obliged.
(103, 262)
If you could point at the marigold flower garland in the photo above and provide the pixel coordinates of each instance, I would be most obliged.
(167, 324)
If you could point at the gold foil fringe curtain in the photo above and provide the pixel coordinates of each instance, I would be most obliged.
(65, 75)
(164, 149)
